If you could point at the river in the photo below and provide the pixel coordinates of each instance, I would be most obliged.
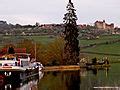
(104, 79)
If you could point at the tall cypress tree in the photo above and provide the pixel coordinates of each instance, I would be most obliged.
(71, 49)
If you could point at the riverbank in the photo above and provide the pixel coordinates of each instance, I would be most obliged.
(61, 68)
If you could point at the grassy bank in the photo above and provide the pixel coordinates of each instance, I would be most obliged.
(112, 59)
(61, 68)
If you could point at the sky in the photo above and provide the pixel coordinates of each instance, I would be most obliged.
(52, 11)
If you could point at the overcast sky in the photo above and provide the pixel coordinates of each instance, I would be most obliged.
(52, 11)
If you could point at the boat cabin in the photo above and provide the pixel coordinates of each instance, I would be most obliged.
(23, 59)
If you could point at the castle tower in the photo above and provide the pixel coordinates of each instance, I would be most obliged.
(104, 24)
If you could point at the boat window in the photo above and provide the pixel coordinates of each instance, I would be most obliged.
(22, 56)
(10, 58)
(24, 63)
(2, 58)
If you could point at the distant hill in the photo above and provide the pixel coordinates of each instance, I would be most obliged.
(85, 31)
(4, 25)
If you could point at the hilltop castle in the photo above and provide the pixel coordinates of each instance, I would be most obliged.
(103, 25)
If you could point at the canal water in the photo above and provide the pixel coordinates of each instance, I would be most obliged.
(104, 79)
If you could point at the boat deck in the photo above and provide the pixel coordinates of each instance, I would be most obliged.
(10, 68)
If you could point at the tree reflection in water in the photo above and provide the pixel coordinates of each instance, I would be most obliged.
(81, 80)
(72, 80)
(95, 70)
(60, 80)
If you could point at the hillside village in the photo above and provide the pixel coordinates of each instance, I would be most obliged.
(86, 31)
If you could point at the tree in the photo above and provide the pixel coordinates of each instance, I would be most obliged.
(29, 45)
(54, 52)
(71, 49)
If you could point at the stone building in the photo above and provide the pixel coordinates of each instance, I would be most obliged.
(103, 25)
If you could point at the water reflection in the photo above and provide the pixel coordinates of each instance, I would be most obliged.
(95, 78)
(29, 84)
(65, 80)
(95, 71)
(81, 80)
(70, 80)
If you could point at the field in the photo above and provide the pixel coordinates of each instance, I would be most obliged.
(5, 40)
(46, 39)
(100, 40)
(113, 48)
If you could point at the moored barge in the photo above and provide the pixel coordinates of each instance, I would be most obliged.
(17, 67)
